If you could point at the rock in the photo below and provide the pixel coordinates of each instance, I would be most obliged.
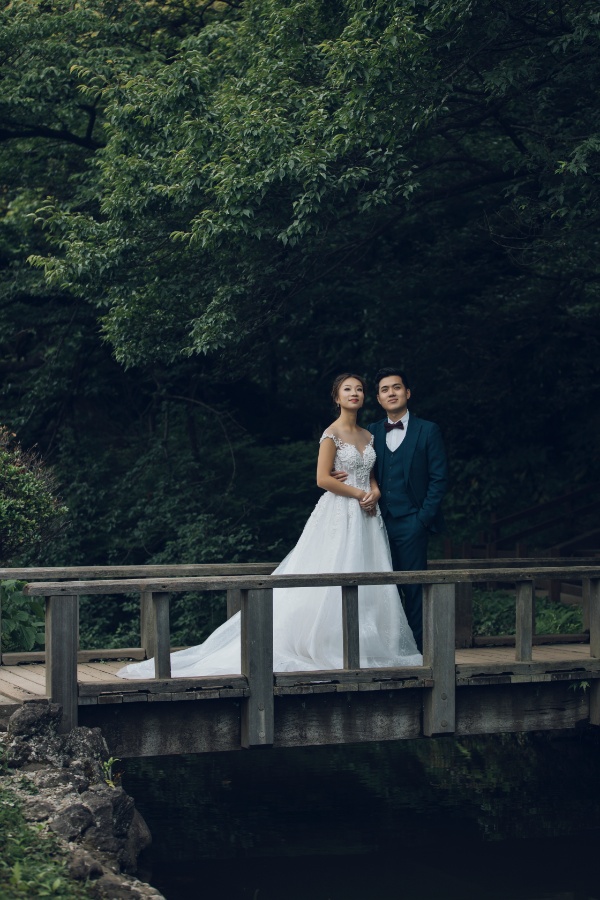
(113, 888)
(35, 718)
(52, 778)
(37, 810)
(138, 838)
(83, 866)
(62, 783)
(72, 822)
(31, 734)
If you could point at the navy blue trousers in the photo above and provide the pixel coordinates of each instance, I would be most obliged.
(408, 543)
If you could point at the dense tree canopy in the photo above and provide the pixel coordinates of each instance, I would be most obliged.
(210, 209)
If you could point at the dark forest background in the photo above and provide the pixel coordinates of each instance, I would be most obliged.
(208, 210)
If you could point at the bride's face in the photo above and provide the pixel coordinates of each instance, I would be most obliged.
(351, 394)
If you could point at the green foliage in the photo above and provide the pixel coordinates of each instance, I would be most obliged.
(31, 863)
(22, 618)
(111, 778)
(240, 201)
(494, 613)
(275, 143)
(29, 510)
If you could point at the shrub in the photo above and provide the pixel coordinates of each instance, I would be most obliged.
(30, 511)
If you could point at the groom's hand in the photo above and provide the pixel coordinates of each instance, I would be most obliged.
(341, 476)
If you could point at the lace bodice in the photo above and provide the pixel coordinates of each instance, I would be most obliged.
(349, 458)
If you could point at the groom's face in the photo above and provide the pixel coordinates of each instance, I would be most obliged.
(393, 396)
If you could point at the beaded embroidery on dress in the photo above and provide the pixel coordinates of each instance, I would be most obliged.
(307, 622)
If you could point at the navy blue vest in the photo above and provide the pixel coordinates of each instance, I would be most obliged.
(394, 496)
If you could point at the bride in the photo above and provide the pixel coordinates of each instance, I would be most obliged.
(345, 533)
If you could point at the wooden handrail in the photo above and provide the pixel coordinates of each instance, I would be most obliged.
(78, 573)
(548, 504)
(62, 573)
(256, 593)
(257, 582)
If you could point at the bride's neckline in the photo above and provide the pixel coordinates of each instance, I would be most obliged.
(338, 440)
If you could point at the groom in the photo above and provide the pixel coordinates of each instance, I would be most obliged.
(412, 475)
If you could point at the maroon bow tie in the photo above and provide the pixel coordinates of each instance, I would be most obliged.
(389, 426)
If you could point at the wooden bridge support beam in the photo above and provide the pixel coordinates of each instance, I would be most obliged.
(156, 631)
(234, 601)
(439, 705)
(592, 589)
(464, 614)
(524, 625)
(62, 629)
(585, 603)
(146, 628)
(162, 635)
(257, 665)
(594, 595)
(350, 630)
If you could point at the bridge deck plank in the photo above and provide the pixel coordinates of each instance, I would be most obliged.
(474, 666)
(18, 687)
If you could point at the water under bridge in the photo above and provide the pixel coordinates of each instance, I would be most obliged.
(527, 682)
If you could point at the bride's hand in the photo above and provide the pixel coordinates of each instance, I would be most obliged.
(369, 501)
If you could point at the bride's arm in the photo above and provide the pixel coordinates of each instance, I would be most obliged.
(326, 480)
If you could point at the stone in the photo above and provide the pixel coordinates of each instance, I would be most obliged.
(34, 718)
(37, 810)
(62, 783)
(53, 778)
(83, 866)
(31, 734)
(112, 887)
(72, 822)
(138, 839)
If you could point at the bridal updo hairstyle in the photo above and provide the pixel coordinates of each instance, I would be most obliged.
(335, 389)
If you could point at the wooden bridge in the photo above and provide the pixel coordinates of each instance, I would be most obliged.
(538, 683)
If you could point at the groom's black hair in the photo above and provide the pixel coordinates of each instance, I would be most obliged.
(387, 373)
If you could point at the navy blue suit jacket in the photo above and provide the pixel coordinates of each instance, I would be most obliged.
(425, 467)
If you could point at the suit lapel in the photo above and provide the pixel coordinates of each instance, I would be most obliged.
(379, 432)
(409, 444)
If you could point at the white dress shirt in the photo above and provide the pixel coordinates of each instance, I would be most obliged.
(394, 438)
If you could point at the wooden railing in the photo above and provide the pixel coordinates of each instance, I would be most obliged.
(561, 510)
(464, 595)
(255, 593)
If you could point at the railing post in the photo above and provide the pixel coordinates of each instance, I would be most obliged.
(234, 601)
(61, 656)
(257, 666)
(585, 603)
(524, 621)
(594, 607)
(464, 614)
(595, 617)
(161, 635)
(350, 630)
(146, 625)
(0, 625)
(439, 706)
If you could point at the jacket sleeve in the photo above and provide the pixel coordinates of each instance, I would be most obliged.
(437, 466)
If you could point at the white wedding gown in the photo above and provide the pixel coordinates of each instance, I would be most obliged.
(307, 622)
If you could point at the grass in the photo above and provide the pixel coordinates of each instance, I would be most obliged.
(32, 863)
(494, 613)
